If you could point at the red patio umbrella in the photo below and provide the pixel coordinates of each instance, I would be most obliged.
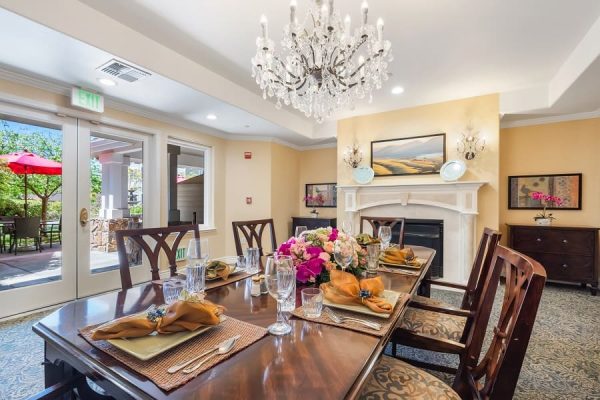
(25, 162)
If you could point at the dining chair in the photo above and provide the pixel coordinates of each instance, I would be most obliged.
(495, 376)
(26, 228)
(433, 325)
(151, 241)
(50, 229)
(376, 222)
(253, 232)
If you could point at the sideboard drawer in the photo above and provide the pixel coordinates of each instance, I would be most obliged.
(567, 268)
(554, 241)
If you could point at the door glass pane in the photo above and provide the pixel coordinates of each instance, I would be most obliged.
(116, 190)
(186, 185)
(30, 204)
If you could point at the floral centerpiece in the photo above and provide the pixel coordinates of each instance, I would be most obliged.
(315, 200)
(546, 200)
(313, 254)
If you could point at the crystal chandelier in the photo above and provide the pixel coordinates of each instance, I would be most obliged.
(325, 65)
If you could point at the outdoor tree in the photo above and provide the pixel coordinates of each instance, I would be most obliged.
(44, 142)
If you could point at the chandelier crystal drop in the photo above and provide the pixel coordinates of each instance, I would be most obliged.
(325, 65)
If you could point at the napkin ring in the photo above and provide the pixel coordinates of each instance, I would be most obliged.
(155, 313)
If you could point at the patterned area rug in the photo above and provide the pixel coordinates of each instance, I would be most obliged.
(562, 361)
(563, 357)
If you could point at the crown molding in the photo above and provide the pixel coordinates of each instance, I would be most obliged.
(550, 119)
(64, 89)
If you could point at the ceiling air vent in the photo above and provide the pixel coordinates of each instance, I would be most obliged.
(126, 72)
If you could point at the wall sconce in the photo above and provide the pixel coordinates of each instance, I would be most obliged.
(353, 155)
(470, 144)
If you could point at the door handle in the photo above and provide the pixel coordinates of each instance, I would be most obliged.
(83, 216)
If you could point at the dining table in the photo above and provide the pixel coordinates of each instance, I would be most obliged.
(314, 361)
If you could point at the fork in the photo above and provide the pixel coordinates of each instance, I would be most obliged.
(338, 319)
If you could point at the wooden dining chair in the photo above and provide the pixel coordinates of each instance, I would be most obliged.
(430, 324)
(495, 377)
(142, 239)
(376, 222)
(253, 232)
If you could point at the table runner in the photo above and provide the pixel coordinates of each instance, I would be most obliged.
(386, 323)
(156, 368)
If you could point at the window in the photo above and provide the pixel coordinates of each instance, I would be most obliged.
(189, 184)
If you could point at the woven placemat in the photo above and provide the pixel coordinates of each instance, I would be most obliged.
(156, 368)
(398, 271)
(386, 323)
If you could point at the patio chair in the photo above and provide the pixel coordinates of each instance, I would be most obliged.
(52, 229)
(5, 229)
(26, 228)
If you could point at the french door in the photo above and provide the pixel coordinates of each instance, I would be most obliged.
(104, 187)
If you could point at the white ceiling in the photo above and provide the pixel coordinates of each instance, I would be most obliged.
(447, 50)
(65, 61)
(200, 53)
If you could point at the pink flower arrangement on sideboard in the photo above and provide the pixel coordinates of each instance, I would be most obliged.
(546, 200)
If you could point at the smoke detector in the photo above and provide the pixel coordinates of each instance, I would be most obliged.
(119, 69)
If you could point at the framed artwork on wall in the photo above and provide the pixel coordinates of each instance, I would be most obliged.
(321, 195)
(418, 155)
(565, 186)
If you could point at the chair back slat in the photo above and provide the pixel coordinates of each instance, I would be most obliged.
(140, 237)
(501, 364)
(376, 222)
(481, 267)
(253, 232)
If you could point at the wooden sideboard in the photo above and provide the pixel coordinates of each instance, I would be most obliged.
(312, 223)
(569, 254)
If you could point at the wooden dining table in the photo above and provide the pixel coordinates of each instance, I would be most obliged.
(314, 361)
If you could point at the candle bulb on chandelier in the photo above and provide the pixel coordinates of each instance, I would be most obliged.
(380, 30)
(364, 8)
(330, 7)
(293, 5)
(347, 22)
(325, 15)
(264, 27)
(361, 66)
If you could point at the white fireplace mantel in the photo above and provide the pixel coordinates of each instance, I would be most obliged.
(453, 202)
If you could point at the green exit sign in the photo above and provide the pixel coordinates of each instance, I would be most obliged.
(88, 100)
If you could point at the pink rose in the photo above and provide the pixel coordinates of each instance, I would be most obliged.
(328, 247)
(324, 256)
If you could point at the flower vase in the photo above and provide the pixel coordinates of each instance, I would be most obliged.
(543, 221)
(315, 213)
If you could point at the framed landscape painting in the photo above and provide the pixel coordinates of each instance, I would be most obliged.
(419, 155)
(565, 186)
(321, 195)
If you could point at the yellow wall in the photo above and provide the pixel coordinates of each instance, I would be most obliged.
(284, 188)
(317, 166)
(451, 118)
(563, 147)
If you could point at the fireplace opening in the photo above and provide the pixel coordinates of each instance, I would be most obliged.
(428, 233)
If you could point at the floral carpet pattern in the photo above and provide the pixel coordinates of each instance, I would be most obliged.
(562, 361)
(563, 357)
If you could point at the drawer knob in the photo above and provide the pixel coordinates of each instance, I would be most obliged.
(538, 239)
(565, 265)
(565, 241)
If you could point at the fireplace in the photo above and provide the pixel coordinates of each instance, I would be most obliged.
(441, 215)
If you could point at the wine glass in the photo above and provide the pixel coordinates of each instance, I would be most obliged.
(347, 227)
(280, 277)
(385, 235)
(342, 252)
(299, 230)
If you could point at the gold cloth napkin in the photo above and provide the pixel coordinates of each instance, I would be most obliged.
(344, 288)
(217, 269)
(179, 316)
(396, 255)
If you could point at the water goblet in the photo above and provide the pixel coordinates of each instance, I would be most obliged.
(343, 252)
(385, 235)
(279, 276)
(197, 254)
(347, 227)
(299, 230)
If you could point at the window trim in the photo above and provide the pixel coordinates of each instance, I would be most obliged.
(209, 192)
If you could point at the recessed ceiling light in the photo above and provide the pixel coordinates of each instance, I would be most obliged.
(107, 82)
(397, 90)
(211, 117)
